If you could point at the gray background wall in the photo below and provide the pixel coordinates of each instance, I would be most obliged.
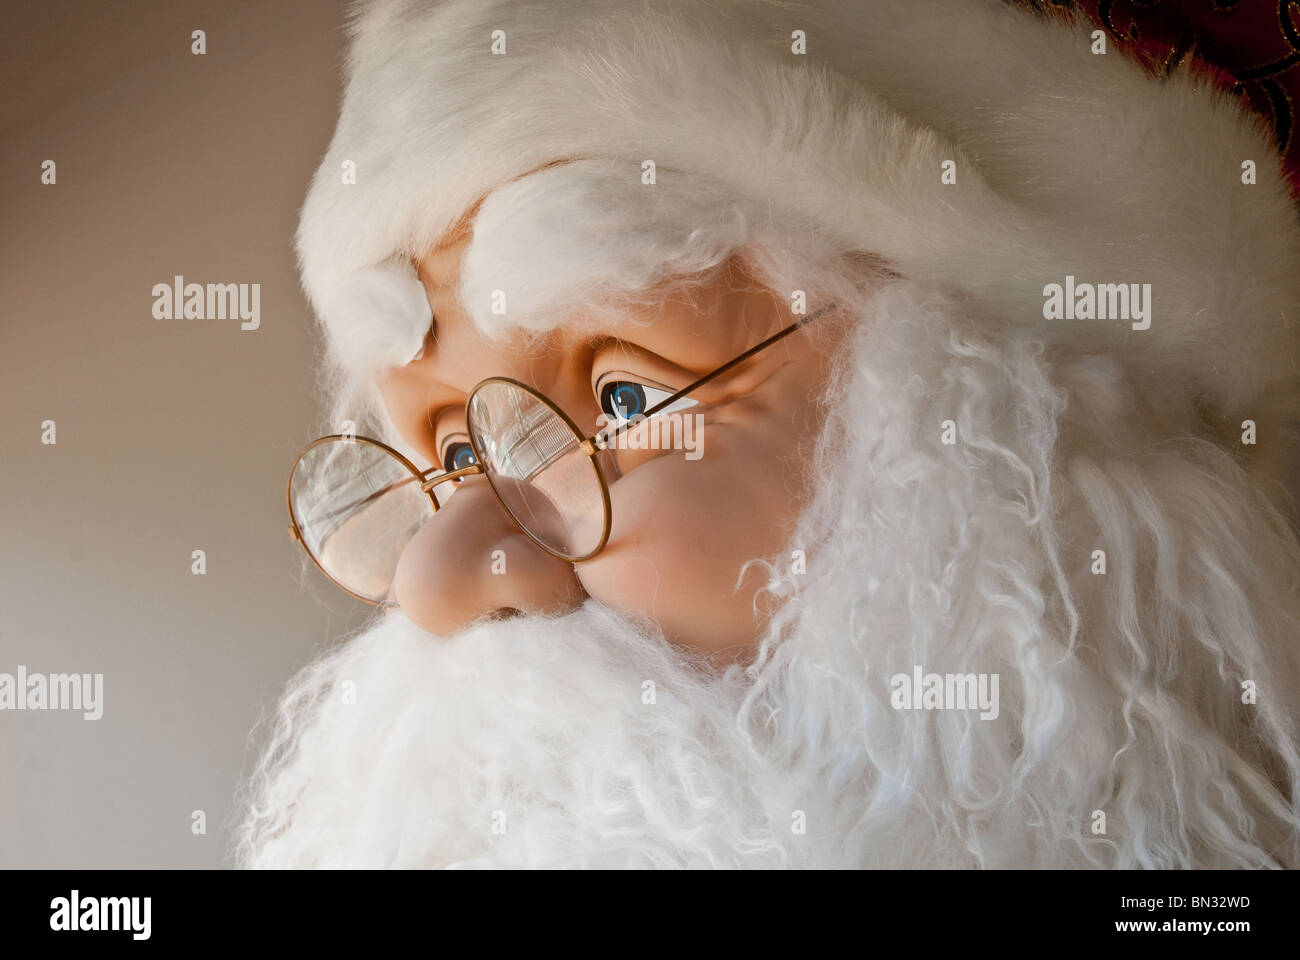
(172, 435)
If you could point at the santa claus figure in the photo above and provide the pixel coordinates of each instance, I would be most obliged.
(782, 434)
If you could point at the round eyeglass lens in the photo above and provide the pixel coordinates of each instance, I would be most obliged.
(535, 462)
(357, 505)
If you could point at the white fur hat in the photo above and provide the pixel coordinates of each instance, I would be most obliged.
(842, 116)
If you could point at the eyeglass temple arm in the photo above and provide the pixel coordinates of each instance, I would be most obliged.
(601, 440)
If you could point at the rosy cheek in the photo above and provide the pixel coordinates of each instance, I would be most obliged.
(681, 532)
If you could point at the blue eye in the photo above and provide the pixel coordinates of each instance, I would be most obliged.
(622, 399)
(457, 456)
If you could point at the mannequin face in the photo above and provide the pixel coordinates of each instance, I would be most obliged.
(681, 528)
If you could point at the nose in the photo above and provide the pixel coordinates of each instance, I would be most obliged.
(471, 560)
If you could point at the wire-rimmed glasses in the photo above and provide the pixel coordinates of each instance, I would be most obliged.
(355, 502)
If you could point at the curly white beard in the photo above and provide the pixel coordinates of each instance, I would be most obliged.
(588, 741)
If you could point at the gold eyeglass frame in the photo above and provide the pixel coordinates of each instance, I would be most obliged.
(590, 446)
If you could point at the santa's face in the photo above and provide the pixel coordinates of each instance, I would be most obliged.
(685, 521)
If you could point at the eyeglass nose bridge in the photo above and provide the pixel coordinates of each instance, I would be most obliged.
(466, 471)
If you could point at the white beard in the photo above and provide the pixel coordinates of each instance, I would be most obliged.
(588, 741)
